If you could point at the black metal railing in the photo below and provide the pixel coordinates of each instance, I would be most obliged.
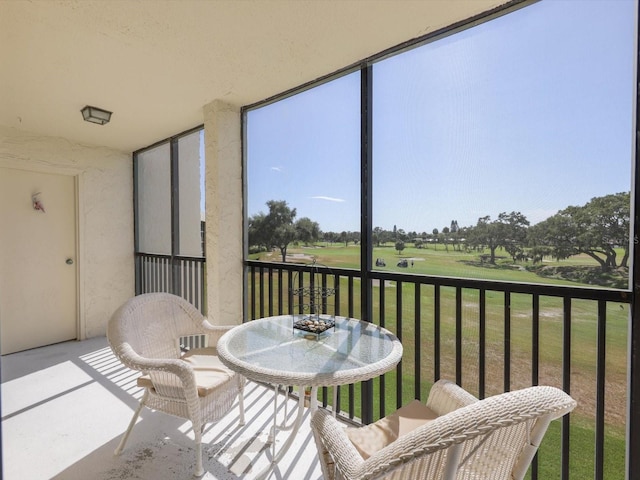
(183, 276)
(489, 337)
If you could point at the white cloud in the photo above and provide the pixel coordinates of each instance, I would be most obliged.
(277, 169)
(329, 199)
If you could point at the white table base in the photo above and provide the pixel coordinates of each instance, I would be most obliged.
(294, 426)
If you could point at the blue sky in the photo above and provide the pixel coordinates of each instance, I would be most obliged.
(531, 112)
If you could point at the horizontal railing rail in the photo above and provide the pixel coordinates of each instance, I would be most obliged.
(488, 336)
(183, 276)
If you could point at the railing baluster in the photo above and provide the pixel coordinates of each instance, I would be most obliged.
(280, 293)
(535, 339)
(352, 406)
(290, 293)
(157, 279)
(336, 282)
(324, 289)
(190, 272)
(153, 275)
(458, 354)
(312, 296)
(417, 322)
(252, 313)
(482, 348)
(535, 361)
(350, 297)
(382, 409)
(270, 288)
(507, 341)
(436, 333)
(600, 389)
(566, 383)
(261, 291)
(201, 286)
(300, 294)
(399, 335)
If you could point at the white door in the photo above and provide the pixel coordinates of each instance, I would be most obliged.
(38, 290)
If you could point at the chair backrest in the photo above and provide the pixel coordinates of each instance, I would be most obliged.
(495, 438)
(491, 439)
(152, 323)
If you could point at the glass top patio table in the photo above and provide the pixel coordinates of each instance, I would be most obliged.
(271, 350)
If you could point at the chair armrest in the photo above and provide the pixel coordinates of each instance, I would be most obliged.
(330, 436)
(445, 397)
(175, 366)
(214, 332)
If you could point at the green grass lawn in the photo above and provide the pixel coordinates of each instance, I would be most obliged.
(435, 261)
(403, 322)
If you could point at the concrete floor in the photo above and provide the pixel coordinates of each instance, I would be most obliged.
(65, 406)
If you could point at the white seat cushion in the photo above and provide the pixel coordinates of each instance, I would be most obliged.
(209, 371)
(374, 437)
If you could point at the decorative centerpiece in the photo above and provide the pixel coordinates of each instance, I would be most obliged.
(312, 301)
(314, 325)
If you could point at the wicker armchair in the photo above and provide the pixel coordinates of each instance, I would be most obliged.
(453, 436)
(148, 333)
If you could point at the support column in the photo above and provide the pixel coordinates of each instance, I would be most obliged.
(224, 200)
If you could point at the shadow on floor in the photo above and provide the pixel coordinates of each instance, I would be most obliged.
(65, 406)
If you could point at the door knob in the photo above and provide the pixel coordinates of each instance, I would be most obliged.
(69, 261)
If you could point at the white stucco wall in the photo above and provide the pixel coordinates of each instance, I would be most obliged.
(105, 223)
(223, 151)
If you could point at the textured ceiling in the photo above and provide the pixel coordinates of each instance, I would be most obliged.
(156, 63)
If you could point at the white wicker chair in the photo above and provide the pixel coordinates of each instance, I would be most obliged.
(494, 438)
(145, 334)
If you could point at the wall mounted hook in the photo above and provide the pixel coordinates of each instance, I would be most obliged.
(37, 202)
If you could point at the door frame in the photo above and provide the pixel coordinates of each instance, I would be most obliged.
(78, 184)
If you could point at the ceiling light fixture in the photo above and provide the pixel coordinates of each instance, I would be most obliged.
(95, 115)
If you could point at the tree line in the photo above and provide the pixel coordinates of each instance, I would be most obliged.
(599, 229)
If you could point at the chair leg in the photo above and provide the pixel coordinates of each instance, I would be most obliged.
(125, 437)
(241, 408)
(199, 471)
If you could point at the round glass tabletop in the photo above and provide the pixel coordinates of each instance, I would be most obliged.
(271, 350)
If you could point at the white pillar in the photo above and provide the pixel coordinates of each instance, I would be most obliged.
(224, 199)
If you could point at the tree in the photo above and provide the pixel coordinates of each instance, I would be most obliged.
(307, 230)
(508, 231)
(376, 236)
(445, 237)
(455, 234)
(385, 236)
(257, 234)
(275, 229)
(399, 246)
(513, 233)
(485, 235)
(595, 229)
(344, 237)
